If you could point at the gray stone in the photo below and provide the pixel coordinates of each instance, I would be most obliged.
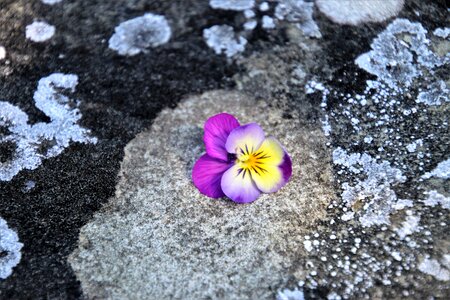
(159, 238)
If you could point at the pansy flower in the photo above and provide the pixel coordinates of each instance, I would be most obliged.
(240, 161)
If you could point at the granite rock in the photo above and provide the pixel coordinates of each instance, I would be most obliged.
(160, 238)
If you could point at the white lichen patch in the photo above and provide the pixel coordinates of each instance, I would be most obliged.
(402, 204)
(222, 39)
(51, 2)
(442, 32)
(434, 198)
(137, 35)
(436, 94)
(434, 268)
(268, 22)
(409, 226)
(374, 193)
(294, 294)
(238, 5)
(399, 68)
(23, 152)
(28, 186)
(30, 144)
(442, 170)
(62, 111)
(250, 25)
(2, 52)
(39, 31)
(326, 126)
(9, 250)
(308, 245)
(248, 13)
(313, 86)
(264, 6)
(333, 296)
(355, 12)
(298, 12)
(412, 147)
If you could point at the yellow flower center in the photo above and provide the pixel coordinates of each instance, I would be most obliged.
(247, 161)
(251, 161)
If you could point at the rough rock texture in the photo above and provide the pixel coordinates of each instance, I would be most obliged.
(169, 241)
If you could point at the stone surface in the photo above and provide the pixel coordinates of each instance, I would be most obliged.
(172, 234)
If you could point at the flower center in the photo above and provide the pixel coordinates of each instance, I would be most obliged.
(247, 161)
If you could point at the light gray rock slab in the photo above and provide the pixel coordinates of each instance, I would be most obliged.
(159, 238)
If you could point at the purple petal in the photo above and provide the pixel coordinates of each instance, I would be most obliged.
(245, 138)
(217, 129)
(207, 175)
(239, 186)
(286, 167)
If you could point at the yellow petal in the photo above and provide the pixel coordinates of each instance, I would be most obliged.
(270, 152)
(265, 171)
(267, 178)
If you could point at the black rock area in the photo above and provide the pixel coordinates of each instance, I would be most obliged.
(119, 98)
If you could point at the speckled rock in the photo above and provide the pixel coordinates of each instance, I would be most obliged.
(160, 238)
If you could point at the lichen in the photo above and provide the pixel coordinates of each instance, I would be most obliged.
(442, 32)
(2, 52)
(250, 25)
(399, 68)
(24, 153)
(39, 31)
(442, 170)
(294, 294)
(409, 226)
(374, 193)
(434, 198)
(268, 22)
(300, 13)
(434, 268)
(34, 143)
(9, 250)
(51, 2)
(238, 5)
(264, 6)
(436, 94)
(222, 39)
